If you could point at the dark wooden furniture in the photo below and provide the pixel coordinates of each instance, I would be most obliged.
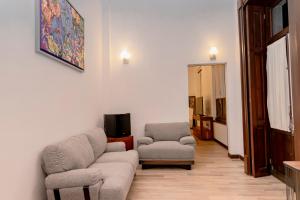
(127, 140)
(265, 149)
(195, 119)
(196, 131)
(206, 128)
(292, 179)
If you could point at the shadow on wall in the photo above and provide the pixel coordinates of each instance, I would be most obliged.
(40, 188)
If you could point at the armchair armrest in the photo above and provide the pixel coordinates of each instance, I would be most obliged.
(144, 141)
(188, 140)
(74, 178)
(115, 147)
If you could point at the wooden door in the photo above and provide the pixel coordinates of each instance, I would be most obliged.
(281, 149)
(294, 28)
(257, 95)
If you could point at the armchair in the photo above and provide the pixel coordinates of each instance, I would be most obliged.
(167, 144)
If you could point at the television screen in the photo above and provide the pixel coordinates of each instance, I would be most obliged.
(117, 125)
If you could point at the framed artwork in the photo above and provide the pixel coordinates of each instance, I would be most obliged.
(61, 32)
(192, 102)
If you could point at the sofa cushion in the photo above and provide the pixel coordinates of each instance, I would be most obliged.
(115, 147)
(98, 141)
(73, 153)
(166, 150)
(130, 157)
(117, 180)
(167, 131)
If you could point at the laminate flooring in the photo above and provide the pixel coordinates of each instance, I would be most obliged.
(213, 177)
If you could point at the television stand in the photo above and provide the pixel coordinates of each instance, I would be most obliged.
(127, 140)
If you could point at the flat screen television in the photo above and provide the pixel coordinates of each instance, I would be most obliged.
(117, 125)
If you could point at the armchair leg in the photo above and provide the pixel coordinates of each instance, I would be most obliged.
(187, 167)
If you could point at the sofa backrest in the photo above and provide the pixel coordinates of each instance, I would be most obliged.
(98, 141)
(167, 131)
(73, 153)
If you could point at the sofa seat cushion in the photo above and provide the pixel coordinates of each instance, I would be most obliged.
(166, 150)
(73, 153)
(117, 179)
(130, 157)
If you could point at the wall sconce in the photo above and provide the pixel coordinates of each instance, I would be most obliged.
(125, 57)
(213, 53)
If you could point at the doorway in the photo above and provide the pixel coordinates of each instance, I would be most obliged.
(207, 102)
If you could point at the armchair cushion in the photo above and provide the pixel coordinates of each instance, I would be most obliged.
(115, 147)
(74, 178)
(166, 150)
(167, 131)
(144, 141)
(188, 140)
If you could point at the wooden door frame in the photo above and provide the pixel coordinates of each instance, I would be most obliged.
(254, 123)
(244, 82)
(294, 29)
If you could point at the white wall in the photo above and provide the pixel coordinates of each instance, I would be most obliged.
(163, 37)
(42, 101)
(194, 81)
(221, 133)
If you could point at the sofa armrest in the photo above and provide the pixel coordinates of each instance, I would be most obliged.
(188, 140)
(115, 147)
(74, 178)
(144, 141)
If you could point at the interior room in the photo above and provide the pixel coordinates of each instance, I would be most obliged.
(207, 102)
(140, 99)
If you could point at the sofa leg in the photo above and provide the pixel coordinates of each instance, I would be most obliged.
(86, 193)
(56, 194)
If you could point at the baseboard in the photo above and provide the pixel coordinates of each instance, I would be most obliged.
(235, 156)
(220, 143)
(278, 175)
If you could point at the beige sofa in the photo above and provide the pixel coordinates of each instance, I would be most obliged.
(86, 167)
(167, 144)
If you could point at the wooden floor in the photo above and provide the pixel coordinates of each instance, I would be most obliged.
(213, 177)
